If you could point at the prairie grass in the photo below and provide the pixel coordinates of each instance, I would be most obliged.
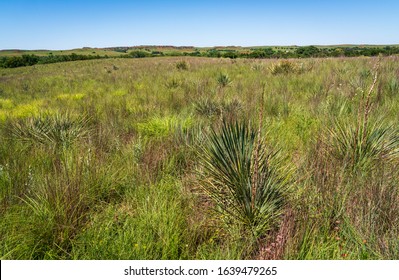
(104, 159)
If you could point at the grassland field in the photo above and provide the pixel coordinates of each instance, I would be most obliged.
(116, 158)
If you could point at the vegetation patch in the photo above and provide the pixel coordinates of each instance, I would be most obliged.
(76, 96)
(128, 158)
(159, 127)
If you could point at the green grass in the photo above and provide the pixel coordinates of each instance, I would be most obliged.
(104, 159)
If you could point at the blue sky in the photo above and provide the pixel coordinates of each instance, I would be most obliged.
(70, 24)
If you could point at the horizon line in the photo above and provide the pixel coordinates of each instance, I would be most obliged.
(191, 46)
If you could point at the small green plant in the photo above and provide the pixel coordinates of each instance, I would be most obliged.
(210, 108)
(173, 83)
(6, 104)
(244, 178)
(223, 80)
(231, 108)
(182, 65)
(207, 107)
(159, 127)
(257, 67)
(285, 67)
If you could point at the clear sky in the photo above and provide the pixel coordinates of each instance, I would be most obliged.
(40, 24)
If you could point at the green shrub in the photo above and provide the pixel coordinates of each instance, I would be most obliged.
(182, 65)
(139, 54)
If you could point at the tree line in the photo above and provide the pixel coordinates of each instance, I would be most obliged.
(31, 59)
(278, 52)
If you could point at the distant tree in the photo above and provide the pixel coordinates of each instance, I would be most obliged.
(262, 53)
(309, 51)
(139, 54)
(230, 54)
(157, 53)
(213, 53)
(14, 61)
(195, 53)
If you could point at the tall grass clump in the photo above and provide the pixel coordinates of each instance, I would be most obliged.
(149, 224)
(393, 86)
(59, 204)
(5, 186)
(47, 217)
(245, 179)
(210, 108)
(182, 65)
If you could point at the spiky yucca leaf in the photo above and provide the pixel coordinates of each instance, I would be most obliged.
(227, 176)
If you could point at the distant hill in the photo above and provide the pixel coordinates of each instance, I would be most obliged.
(116, 51)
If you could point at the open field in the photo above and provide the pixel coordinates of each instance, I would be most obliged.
(142, 159)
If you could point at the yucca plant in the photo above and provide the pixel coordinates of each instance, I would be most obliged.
(245, 180)
(359, 146)
(207, 107)
(223, 80)
(210, 108)
(257, 66)
(173, 83)
(232, 107)
(58, 130)
(362, 144)
(285, 67)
